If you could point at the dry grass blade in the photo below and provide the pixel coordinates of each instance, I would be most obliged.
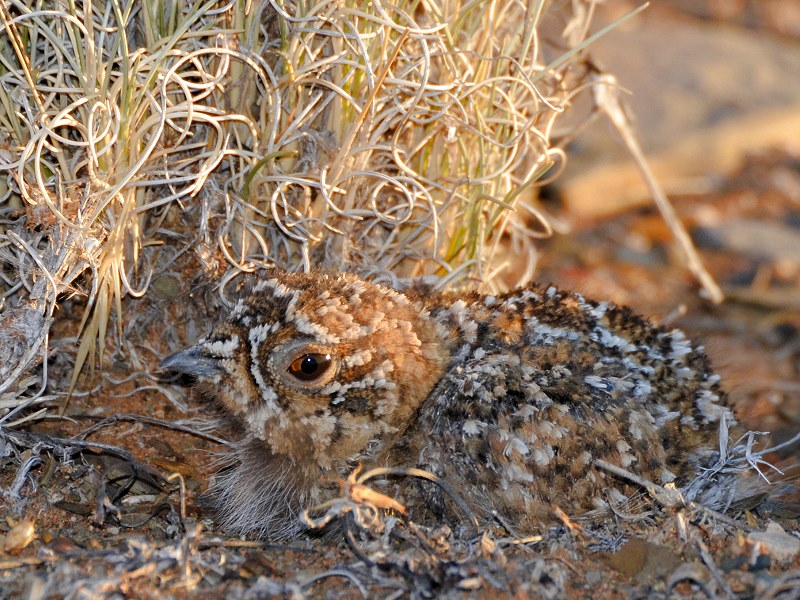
(607, 99)
(388, 137)
(669, 497)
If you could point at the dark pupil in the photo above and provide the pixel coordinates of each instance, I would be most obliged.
(310, 366)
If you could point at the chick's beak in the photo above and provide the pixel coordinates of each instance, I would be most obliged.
(191, 361)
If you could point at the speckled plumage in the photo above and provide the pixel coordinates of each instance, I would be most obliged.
(509, 398)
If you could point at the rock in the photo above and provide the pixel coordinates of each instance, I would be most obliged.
(775, 542)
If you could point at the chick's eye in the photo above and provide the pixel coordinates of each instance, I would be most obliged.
(308, 367)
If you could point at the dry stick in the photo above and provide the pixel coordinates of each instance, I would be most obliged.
(427, 475)
(179, 477)
(668, 497)
(715, 571)
(336, 573)
(693, 573)
(606, 95)
(27, 439)
(788, 582)
(120, 417)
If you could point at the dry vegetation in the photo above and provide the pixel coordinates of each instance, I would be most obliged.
(152, 149)
(389, 138)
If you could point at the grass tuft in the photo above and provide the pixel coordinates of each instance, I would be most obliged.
(402, 138)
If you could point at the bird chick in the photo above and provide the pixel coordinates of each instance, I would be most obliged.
(509, 398)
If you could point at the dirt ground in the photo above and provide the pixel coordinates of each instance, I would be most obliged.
(107, 503)
(109, 524)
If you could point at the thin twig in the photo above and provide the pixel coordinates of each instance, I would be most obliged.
(607, 98)
(668, 497)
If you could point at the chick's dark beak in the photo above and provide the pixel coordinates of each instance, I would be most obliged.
(192, 362)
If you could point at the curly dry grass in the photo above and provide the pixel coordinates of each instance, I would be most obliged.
(387, 137)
